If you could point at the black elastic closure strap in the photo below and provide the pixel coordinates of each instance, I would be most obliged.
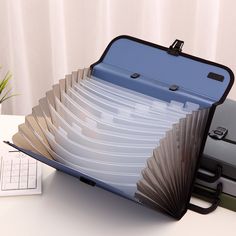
(213, 197)
(176, 47)
(209, 178)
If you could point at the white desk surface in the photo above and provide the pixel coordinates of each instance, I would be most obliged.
(70, 207)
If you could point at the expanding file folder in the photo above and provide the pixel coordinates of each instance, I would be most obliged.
(219, 160)
(221, 142)
(134, 123)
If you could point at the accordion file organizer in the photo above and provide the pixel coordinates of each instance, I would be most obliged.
(134, 123)
(219, 160)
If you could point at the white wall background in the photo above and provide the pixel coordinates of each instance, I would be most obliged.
(42, 40)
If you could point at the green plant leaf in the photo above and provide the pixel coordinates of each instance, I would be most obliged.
(13, 95)
(5, 95)
(4, 82)
(3, 86)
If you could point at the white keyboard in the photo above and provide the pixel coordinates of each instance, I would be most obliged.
(19, 174)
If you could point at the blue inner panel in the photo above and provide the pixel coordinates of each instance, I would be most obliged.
(147, 86)
(159, 70)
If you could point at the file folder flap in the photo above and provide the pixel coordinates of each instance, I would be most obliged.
(149, 69)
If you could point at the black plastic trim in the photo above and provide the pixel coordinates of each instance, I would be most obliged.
(208, 124)
(214, 197)
(215, 76)
(202, 210)
(219, 133)
(176, 47)
(209, 178)
(174, 87)
(209, 194)
(87, 181)
(135, 75)
(209, 163)
(229, 141)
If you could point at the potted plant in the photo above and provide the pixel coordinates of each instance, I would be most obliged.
(5, 90)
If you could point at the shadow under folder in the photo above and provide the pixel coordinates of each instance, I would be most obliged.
(76, 198)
